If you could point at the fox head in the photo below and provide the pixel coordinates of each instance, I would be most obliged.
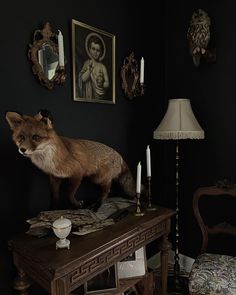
(30, 133)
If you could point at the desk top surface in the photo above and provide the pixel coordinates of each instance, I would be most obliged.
(84, 248)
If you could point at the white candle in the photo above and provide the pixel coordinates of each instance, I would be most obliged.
(148, 158)
(142, 71)
(61, 49)
(138, 181)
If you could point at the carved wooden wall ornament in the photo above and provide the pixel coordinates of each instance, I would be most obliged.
(130, 77)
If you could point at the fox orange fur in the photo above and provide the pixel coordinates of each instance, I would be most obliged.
(62, 157)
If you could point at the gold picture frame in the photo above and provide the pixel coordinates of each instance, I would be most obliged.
(93, 54)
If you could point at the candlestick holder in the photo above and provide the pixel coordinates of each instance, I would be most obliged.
(44, 55)
(142, 89)
(149, 207)
(138, 209)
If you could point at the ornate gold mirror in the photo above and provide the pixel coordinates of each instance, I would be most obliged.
(130, 77)
(47, 55)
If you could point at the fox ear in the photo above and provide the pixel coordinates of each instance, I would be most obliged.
(14, 119)
(46, 117)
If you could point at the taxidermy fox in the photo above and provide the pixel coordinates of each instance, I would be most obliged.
(62, 157)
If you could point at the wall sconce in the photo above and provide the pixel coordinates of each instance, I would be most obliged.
(47, 56)
(132, 78)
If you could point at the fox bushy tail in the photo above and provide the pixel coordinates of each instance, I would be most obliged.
(127, 182)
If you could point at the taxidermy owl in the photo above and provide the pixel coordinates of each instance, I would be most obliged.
(198, 35)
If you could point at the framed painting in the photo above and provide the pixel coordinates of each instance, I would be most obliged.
(107, 281)
(134, 265)
(93, 54)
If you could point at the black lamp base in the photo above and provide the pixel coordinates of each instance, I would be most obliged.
(177, 285)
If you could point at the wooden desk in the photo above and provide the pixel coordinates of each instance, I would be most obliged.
(62, 271)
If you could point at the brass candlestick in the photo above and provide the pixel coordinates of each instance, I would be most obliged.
(149, 207)
(142, 89)
(138, 210)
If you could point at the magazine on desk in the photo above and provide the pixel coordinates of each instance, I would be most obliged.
(84, 221)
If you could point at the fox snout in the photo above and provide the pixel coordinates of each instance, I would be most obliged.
(22, 151)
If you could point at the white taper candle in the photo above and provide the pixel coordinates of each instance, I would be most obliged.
(142, 70)
(138, 181)
(148, 159)
(61, 49)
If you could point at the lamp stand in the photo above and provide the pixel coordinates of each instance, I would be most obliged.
(177, 265)
(177, 284)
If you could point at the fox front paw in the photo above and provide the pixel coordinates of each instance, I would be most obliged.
(80, 204)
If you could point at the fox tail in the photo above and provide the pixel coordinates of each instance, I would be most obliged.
(127, 182)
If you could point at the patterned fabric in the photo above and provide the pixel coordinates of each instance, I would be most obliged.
(213, 274)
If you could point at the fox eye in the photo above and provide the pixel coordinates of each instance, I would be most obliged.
(36, 137)
(20, 137)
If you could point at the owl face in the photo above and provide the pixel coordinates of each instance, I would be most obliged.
(200, 17)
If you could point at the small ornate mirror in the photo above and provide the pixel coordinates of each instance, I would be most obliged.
(130, 75)
(47, 56)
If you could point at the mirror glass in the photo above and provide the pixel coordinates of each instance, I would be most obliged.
(48, 60)
(44, 54)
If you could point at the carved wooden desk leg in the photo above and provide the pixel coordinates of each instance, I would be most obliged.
(59, 287)
(22, 282)
(164, 246)
(146, 285)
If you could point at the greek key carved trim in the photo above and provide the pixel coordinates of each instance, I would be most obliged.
(115, 254)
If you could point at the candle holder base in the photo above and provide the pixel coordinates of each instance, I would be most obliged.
(151, 208)
(139, 214)
(138, 211)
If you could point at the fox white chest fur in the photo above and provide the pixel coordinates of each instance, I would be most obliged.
(46, 160)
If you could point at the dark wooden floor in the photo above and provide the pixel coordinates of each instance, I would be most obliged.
(183, 288)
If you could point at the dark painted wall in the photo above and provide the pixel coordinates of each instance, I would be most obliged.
(211, 88)
(127, 126)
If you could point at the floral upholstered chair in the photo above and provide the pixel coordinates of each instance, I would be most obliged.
(213, 274)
